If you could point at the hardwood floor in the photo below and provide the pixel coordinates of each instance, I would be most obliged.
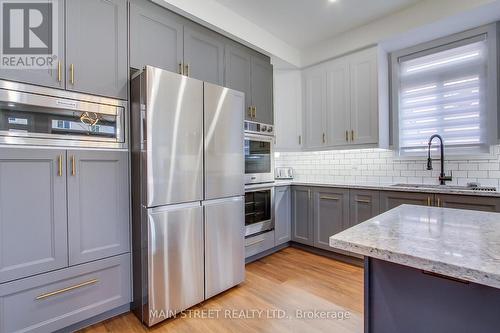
(289, 281)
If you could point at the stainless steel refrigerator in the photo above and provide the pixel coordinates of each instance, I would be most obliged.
(187, 192)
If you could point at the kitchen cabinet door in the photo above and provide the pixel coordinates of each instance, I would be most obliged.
(364, 204)
(330, 214)
(288, 110)
(262, 90)
(364, 97)
(96, 47)
(393, 199)
(203, 54)
(302, 227)
(237, 73)
(485, 204)
(338, 102)
(315, 107)
(156, 37)
(282, 212)
(43, 77)
(33, 217)
(98, 205)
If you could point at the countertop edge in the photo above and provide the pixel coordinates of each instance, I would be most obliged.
(454, 271)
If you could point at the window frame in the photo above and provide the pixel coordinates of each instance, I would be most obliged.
(493, 88)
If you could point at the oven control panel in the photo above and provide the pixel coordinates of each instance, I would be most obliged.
(259, 128)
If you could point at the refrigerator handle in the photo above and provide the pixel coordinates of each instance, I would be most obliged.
(143, 124)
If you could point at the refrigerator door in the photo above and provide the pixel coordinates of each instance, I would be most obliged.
(223, 128)
(174, 138)
(224, 244)
(175, 256)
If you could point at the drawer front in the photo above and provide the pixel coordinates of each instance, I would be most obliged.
(260, 243)
(55, 300)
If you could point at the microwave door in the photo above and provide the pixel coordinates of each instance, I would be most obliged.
(174, 138)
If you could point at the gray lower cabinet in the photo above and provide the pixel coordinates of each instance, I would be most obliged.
(203, 54)
(33, 222)
(486, 204)
(156, 37)
(393, 199)
(43, 77)
(237, 73)
(262, 91)
(302, 223)
(55, 300)
(96, 47)
(330, 214)
(98, 201)
(282, 215)
(364, 204)
(259, 243)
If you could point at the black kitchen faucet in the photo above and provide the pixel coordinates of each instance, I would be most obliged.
(442, 177)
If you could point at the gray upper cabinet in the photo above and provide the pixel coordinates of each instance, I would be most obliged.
(156, 37)
(98, 213)
(486, 204)
(282, 212)
(237, 73)
(390, 200)
(330, 212)
(262, 90)
(203, 54)
(33, 212)
(96, 47)
(302, 227)
(49, 77)
(364, 204)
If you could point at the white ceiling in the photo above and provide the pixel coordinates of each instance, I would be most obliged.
(302, 23)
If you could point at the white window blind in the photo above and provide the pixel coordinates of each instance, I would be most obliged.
(442, 91)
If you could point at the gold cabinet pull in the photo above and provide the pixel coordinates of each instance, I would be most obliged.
(255, 112)
(73, 166)
(250, 112)
(60, 166)
(429, 201)
(180, 68)
(439, 202)
(64, 290)
(300, 139)
(186, 69)
(363, 201)
(347, 136)
(72, 74)
(309, 194)
(329, 198)
(352, 135)
(324, 138)
(59, 71)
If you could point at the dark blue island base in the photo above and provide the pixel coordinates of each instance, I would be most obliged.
(400, 299)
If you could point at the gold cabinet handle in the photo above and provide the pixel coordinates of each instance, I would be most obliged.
(329, 198)
(300, 140)
(60, 166)
(309, 194)
(59, 71)
(72, 74)
(347, 136)
(363, 200)
(352, 135)
(73, 166)
(186, 69)
(255, 112)
(250, 112)
(438, 202)
(64, 290)
(324, 138)
(429, 201)
(180, 68)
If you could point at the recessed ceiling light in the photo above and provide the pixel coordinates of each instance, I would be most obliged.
(332, 0)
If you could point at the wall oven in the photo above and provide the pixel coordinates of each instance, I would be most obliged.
(32, 115)
(259, 210)
(259, 159)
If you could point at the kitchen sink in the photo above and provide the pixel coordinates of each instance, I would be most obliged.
(472, 187)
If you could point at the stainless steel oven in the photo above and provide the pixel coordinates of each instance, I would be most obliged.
(259, 159)
(32, 115)
(259, 210)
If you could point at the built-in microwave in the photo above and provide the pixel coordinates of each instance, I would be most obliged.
(259, 159)
(259, 210)
(32, 115)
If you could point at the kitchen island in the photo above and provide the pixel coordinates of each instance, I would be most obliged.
(428, 269)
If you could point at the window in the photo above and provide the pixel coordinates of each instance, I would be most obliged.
(446, 89)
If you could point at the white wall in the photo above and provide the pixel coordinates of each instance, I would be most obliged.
(221, 19)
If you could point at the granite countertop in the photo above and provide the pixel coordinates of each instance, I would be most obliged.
(462, 244)
(391, 187)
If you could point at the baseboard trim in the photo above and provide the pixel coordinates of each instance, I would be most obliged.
(263, 254)
(96, 319)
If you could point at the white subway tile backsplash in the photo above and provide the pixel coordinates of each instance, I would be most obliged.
(383, 166)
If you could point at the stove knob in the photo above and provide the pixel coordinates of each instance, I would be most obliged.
(270, 129)
(264, 128)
